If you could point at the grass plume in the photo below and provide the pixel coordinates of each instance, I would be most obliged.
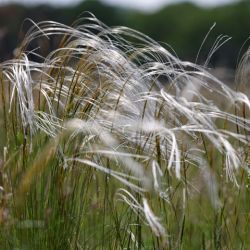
(112, 142)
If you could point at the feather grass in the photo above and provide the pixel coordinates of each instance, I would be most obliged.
(113, 102)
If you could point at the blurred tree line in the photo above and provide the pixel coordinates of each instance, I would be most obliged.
(182, 26)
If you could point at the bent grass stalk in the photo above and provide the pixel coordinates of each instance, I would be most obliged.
(113, 142)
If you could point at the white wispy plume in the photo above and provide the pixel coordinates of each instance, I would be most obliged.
(127, 99)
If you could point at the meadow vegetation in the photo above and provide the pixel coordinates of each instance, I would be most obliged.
(112, 142)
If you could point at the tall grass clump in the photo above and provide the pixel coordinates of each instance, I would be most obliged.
(112, 142)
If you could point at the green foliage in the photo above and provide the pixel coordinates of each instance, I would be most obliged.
(182, 26)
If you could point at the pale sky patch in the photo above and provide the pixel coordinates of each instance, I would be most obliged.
(143, 5)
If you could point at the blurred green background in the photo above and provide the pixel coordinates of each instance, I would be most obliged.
(183, 26)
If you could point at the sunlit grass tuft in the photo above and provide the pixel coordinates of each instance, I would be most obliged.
(112, 142)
